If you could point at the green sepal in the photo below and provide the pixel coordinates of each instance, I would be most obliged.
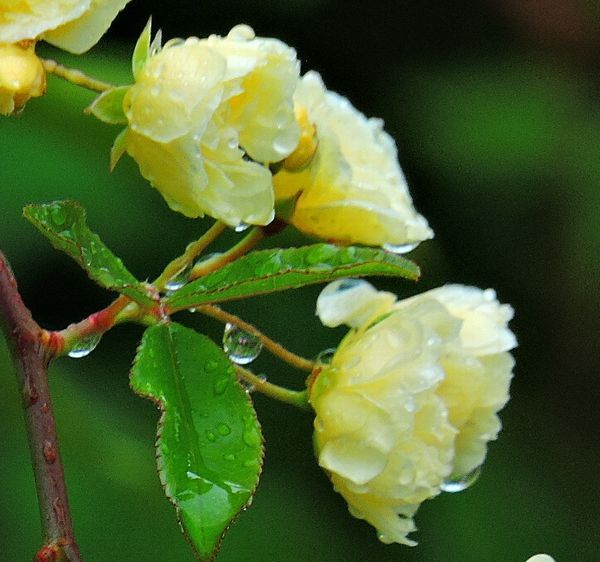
(108, 106)
(64, 224)
(141, 52)
(267, 271)
(209, 447)
(117, 149)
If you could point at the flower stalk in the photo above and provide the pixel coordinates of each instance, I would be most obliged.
(242, 247)
(275, 348)
(75, 76)
(298, 398)
(192, 251)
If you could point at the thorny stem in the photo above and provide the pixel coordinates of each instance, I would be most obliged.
(120, 310)
(75, 76)
(241, 248)
(31, 357)
(192, 251)
(298, 398)
(274, 347)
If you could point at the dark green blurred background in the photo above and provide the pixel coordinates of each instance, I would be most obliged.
(495, 106)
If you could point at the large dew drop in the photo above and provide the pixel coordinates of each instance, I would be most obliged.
(460, 483)
(400, 248)
(178, 281)
(242, 347)
(85, 346)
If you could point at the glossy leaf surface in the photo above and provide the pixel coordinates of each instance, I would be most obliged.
(64, 224)
(267, 271)
(209, 448)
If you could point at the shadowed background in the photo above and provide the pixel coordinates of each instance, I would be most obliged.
(495, 109)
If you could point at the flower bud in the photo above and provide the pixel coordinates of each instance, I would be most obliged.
(408, 403)
(352, 190)
(74, 26)
(206, 117)
(22, 76)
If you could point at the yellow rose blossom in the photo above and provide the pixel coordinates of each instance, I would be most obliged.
(353, 190)
(72, 25)
(207, 116)
(408, 403)
(22, 76)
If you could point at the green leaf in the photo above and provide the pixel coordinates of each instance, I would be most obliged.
(209, 448)
(141, 52)
(64, 224)
(118, 149)
(108, 106)
(267, 271)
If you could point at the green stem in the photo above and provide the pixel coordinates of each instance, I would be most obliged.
(241, 248)
(75, 76)
(298, 398)
(274, 347)
(192, 251)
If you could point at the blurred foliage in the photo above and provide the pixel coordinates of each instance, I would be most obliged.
(496, 113)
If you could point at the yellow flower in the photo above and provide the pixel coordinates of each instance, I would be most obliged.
(206, 117)
(353, 190)
(408, 403)
(73, 25)
(22, 76)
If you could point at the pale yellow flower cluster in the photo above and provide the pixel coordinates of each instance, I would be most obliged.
(72, 25)
(408, 403)
(207, 116)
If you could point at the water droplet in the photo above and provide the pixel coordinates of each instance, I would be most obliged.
(241, 227)
(285, 144)
(210, 365)
(210, 435)
(221, 385)
(85, 346)
(223, 429)
(58, 215)
(242, 347)
(400, 248)
(229, 457)
(326, 356)
(459, 483)
(178, 281)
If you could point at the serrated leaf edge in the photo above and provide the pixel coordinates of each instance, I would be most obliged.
(159, 468)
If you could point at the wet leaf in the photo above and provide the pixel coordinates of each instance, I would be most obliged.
(209, 448)
(64, 224)
(267, 271)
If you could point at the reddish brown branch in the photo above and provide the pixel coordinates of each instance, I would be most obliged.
(31, 357)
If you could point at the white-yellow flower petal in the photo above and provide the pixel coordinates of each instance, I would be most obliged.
(351, 302)
(73, 25)
(81, 34)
